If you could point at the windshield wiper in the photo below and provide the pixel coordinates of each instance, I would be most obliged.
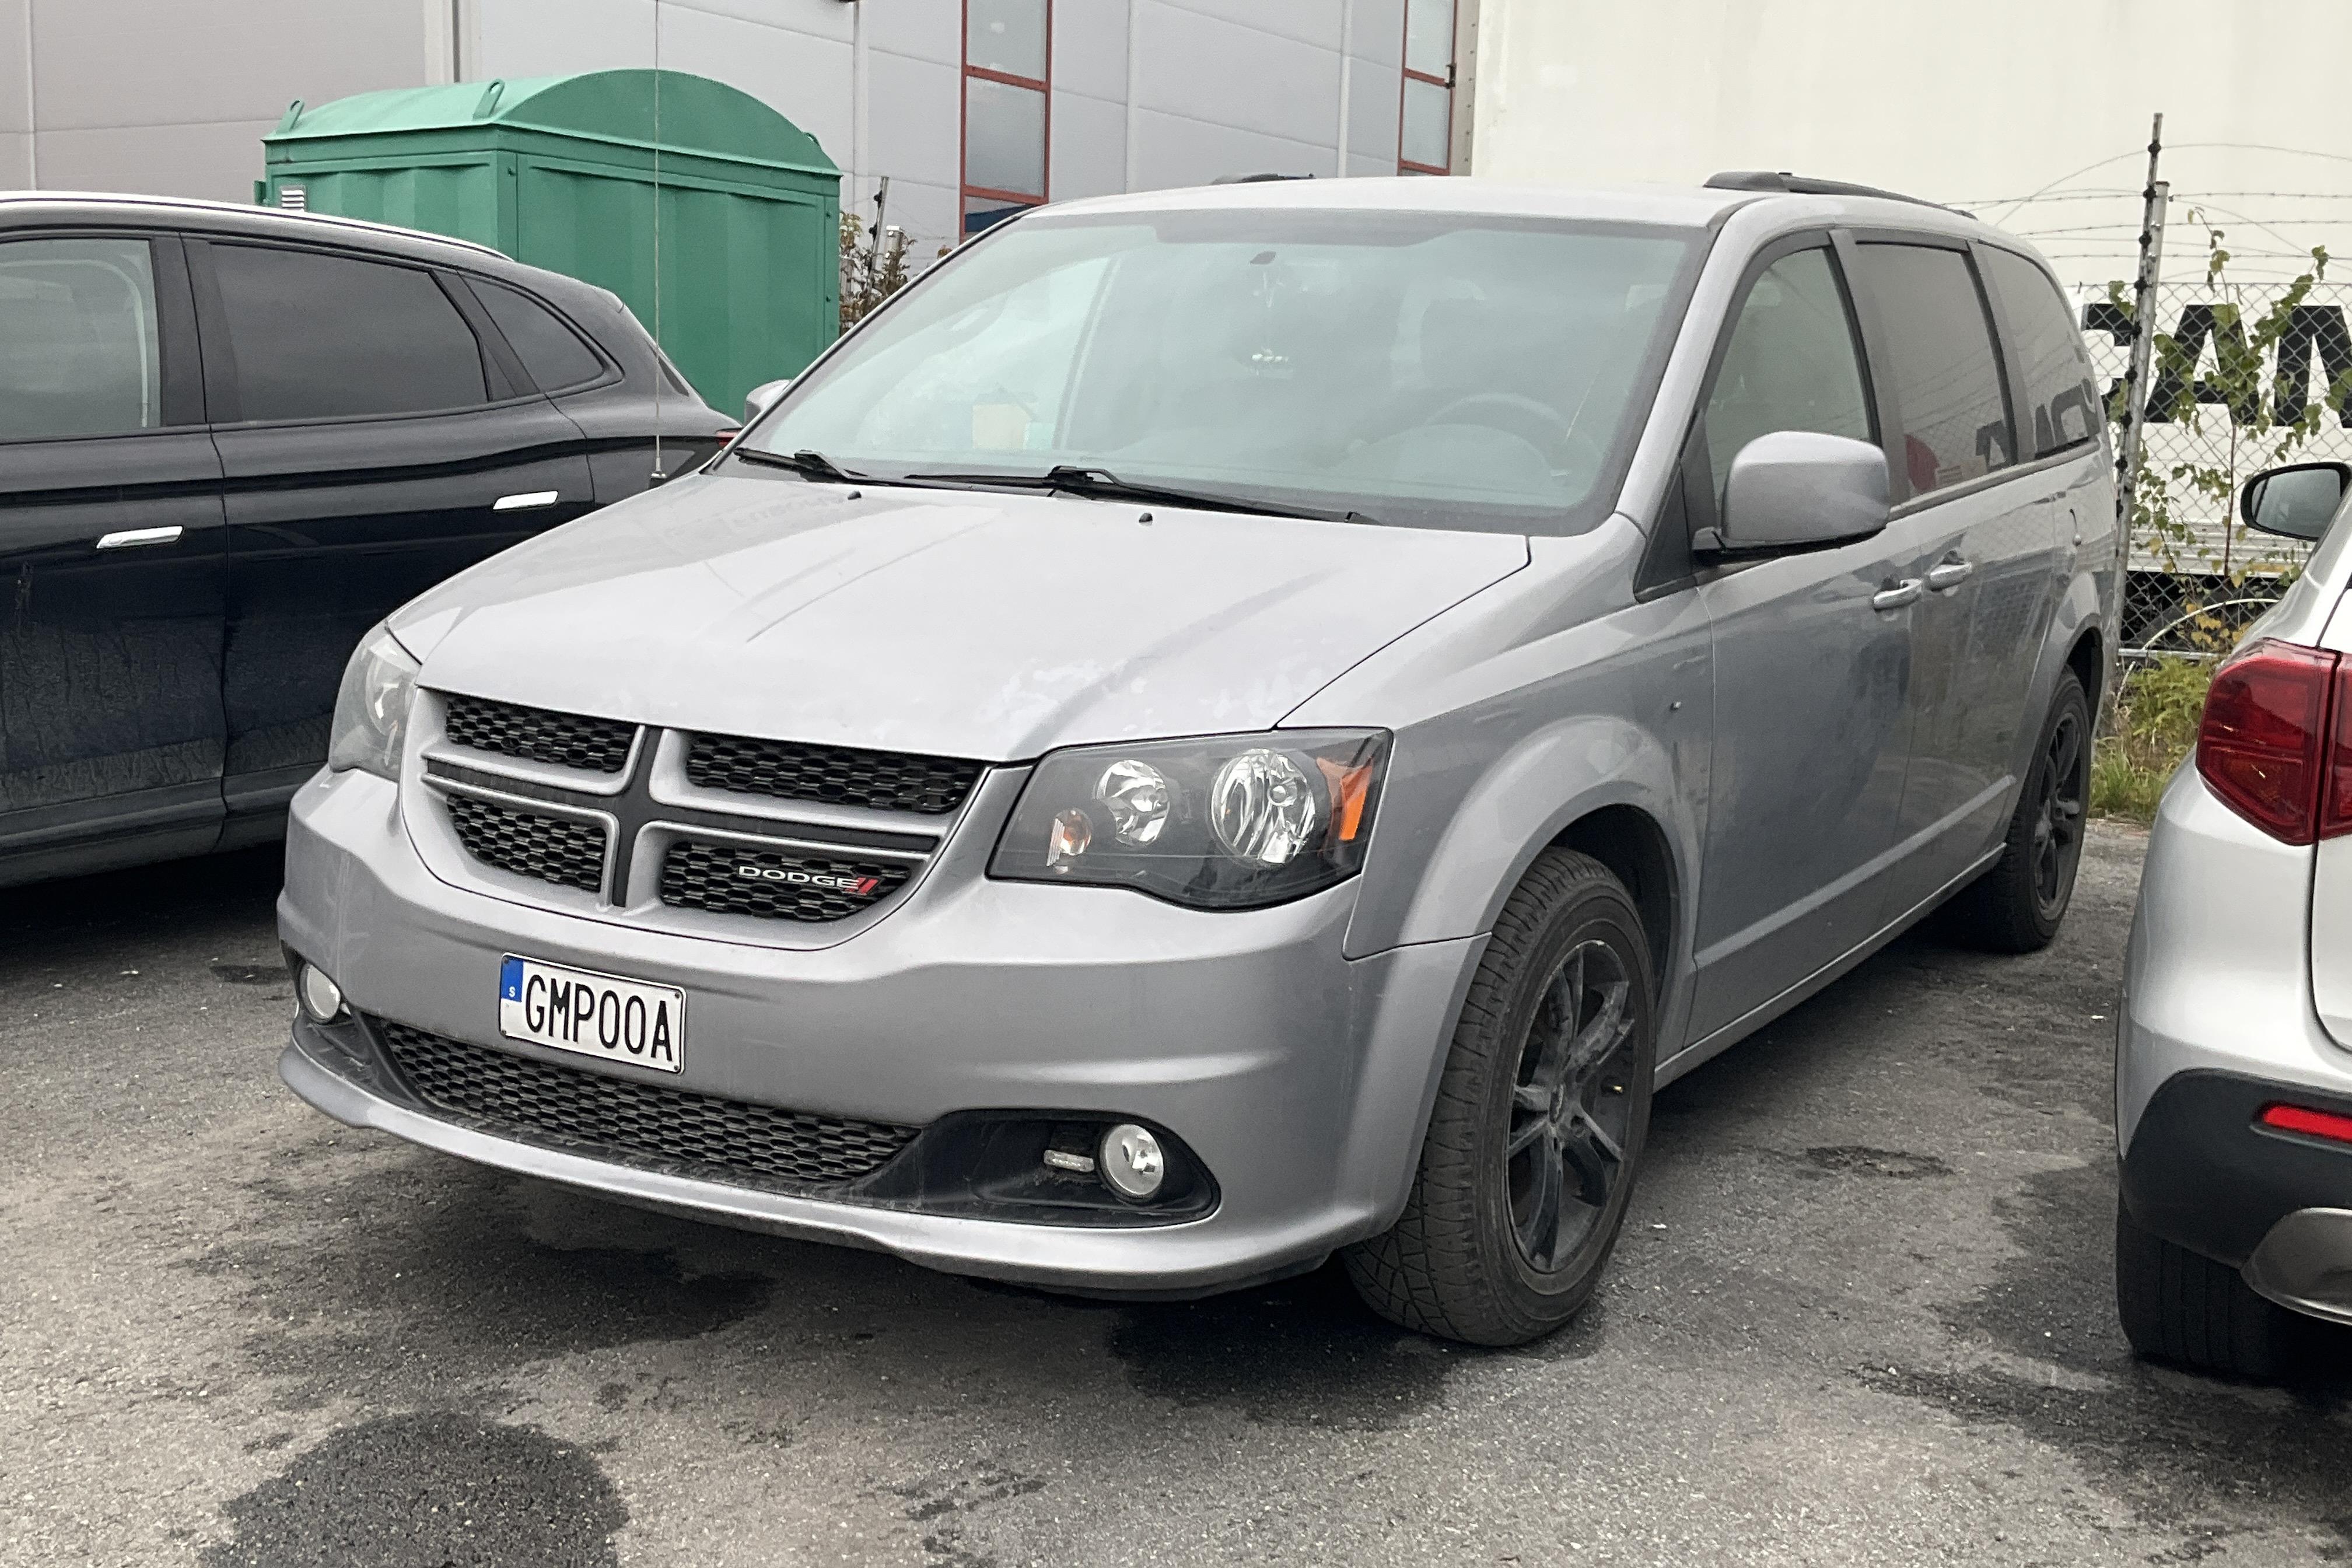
(815, 465)
(1101, 484)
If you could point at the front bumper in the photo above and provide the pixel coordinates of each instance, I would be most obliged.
(1300, 1079)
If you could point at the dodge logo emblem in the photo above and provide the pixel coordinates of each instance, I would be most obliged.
(859, 886)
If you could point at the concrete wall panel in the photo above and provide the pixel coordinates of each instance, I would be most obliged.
(1372, 109)
(218, 161)
(913, 120)
(927, 29)
(1173, 150)
(1315, 22)
(1224, 73)
(16, 72)
(1090, 48)
(192, 64)
(1378, 33)
(1089, 147)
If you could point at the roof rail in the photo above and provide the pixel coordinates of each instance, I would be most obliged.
(1255, 179)
(1806, 185)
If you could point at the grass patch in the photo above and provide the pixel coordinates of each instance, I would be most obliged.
(2150, 728)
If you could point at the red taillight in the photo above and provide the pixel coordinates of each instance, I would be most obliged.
(2314, 1123)
(2264, 745)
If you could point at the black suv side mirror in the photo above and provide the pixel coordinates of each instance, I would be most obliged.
(2297, 501)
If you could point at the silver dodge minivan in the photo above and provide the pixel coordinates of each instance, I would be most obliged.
(1230, 725)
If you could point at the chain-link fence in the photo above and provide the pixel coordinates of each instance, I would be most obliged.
(2198, 575)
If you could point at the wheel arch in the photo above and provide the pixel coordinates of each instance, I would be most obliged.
(2088, 659)
(1596, 784)
(1633, 844)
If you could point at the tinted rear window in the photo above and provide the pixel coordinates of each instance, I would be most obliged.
(2062, 394)
(1940, 358)
(78, 346)
(552, 352)
(318, 336)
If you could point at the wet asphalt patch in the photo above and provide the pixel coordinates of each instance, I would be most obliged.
(391, 1248)
(1855, 1159)
(1302, 1352)
(2195, 1456)
(434, 1490)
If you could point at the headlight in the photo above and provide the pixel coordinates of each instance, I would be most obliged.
(1228, 822)
(371, 708)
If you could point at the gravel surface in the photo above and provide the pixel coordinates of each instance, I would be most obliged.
(1860, 1314)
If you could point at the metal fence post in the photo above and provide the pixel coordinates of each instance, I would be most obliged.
(2143, 348)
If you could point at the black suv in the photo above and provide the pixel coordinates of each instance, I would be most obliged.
(231, 440)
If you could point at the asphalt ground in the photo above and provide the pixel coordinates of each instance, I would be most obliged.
(1862, 1314)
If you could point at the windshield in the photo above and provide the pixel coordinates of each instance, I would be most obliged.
(1436, 371)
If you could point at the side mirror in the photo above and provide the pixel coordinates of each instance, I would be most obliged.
(2294, 502)
(1796, 487)
(763, 397)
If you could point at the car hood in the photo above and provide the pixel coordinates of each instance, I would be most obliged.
(958, 623)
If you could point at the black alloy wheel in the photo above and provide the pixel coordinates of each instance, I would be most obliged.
(1535, 1137)
(1570, 1118)
(2061, 787)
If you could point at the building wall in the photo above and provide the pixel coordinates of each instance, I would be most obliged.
(1983, 107)
(174, 96)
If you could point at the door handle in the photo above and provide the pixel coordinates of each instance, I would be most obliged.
(529, 500)
(1906, 592)
(132, 538)
(1945, 576)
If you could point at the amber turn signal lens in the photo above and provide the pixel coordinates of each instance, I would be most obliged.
(1350, 787)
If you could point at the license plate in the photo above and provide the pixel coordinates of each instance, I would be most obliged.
(592, 1014)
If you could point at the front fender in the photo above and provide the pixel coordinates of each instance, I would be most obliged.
(1533, 704)
(1523, 802)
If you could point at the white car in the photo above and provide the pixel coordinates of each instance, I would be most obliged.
(2234, 1070)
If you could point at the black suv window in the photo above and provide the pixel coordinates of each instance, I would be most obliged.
(1791, 363)
(1939, 355)
(319, 336)
(79, 344)
(552, 352)
(2059, 387)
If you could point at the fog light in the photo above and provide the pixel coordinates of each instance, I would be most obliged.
(321, 998)
(1131, 1162)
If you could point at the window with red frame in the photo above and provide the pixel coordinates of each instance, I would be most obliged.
(1425, 117)
(1008, 70)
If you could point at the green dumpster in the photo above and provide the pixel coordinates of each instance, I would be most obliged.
(561, 172)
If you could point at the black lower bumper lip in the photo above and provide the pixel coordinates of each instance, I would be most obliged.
(2203, 1172)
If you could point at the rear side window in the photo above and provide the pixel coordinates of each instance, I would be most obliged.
(2061, 392)
(1791, 363)
(317, 336)
(552, 352)
(1940, 358)
(79, 344)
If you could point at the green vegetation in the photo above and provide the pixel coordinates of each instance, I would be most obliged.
(2150, 728)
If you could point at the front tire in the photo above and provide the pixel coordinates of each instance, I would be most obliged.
(2017, 906)
(1539, 1123)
